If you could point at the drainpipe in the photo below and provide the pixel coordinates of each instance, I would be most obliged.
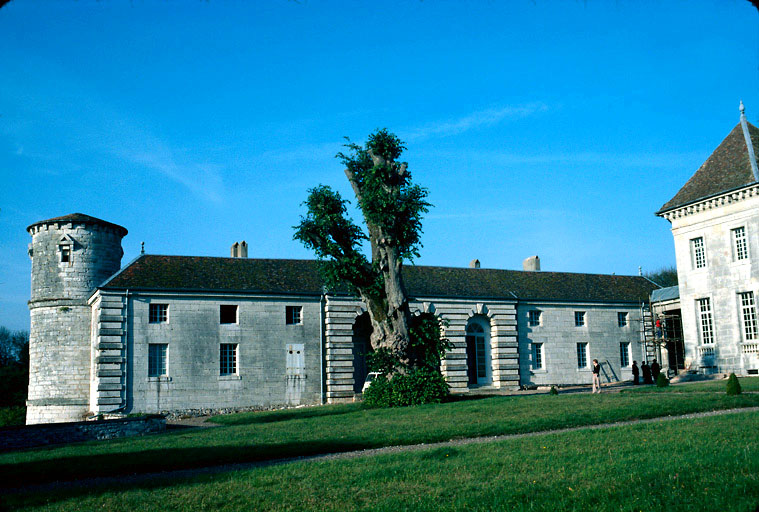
(322, 312)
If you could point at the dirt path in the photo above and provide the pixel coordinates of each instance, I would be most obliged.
(167, 476)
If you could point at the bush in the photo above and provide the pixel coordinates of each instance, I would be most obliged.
(733, 386)
(662, 381)
(554, 391)
(12, 416)
(417, 387)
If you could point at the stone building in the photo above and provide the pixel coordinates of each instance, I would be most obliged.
(168, 333)
(715, 225)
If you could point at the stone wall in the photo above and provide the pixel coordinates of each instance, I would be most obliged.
(17, 438)
(721, 280)
(267, 373)
(559, 336)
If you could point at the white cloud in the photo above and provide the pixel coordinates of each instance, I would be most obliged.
(488, 117)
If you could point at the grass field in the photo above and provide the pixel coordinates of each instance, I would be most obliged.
(340, 428)
(747, 384)
(698, 464)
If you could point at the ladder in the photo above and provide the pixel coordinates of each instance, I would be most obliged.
(648, 332)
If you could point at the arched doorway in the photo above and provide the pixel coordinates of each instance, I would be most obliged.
(362, 330)
(478, 352)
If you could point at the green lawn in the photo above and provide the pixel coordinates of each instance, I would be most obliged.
(747, 384)
(264, 436)
(702, 464)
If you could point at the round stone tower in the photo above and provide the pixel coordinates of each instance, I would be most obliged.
(71, 256)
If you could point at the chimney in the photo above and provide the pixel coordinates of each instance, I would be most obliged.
(475, 263)
(239, 250)
(531, 264)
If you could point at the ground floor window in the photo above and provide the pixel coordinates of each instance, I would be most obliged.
(157, 359)
(624, 354)
(537, 356)
(228, 359)
(582, 355)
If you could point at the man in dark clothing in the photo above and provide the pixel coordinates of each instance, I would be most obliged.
(646, 373)
(655, 370)
(636, 373)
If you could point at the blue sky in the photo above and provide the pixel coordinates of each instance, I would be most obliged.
(539, 127)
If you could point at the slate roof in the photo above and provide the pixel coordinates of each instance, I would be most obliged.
(662, 294)
(302, 277)
(728, 168)
(80, 218)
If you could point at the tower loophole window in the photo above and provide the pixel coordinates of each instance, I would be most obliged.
(65, 251)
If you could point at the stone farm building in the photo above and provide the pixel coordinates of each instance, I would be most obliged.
(173, 333)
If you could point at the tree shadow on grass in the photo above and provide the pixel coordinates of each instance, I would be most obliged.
(37, 482)
(250, 418)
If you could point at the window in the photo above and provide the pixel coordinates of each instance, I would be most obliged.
(582, 355)
(158, 313)
(475, 339)
(748, 309)
(705, 317)
(537, 356)
(622, 319)
(579, 318)
(624, 354)
(293, 315)
(740, 244)
(157, 359)
(698, 256)
(533, 318)
(65, 254)
(227, 314)
(228, 359)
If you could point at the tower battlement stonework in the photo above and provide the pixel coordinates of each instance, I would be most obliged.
(71, 256)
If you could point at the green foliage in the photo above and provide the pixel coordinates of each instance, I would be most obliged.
(733, 385)
(664, 277)
(554, 391)
(382, 360)
(662, 381)
(14, 367)
(418, 386)
(12, 416)
(426, 343)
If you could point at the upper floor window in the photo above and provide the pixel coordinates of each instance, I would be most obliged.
(158, 313)
(748, 310)
(293, 315)
(228, 314)
(579, 318)
(533, 318)
(157, 359)
(705, 318)
(65, 254)
(622, 319)
(698, 256)
(740, 243)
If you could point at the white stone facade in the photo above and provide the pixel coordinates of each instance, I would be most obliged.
(721, 279)
(557, 335)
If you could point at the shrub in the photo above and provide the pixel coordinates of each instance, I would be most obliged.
(733, 385)
(554, 391)
(418, 386)
(11, 416)
(662, 381)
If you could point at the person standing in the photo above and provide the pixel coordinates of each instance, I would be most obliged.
(655, 370)
(596, 377)
(646, 370)
(636, 373)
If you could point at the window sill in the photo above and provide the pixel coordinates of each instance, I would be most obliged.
(162, 378)
(229, 377)
(583, 370)
(541, 371)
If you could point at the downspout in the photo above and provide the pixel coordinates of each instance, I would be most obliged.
(322, 312)
(749, 145)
